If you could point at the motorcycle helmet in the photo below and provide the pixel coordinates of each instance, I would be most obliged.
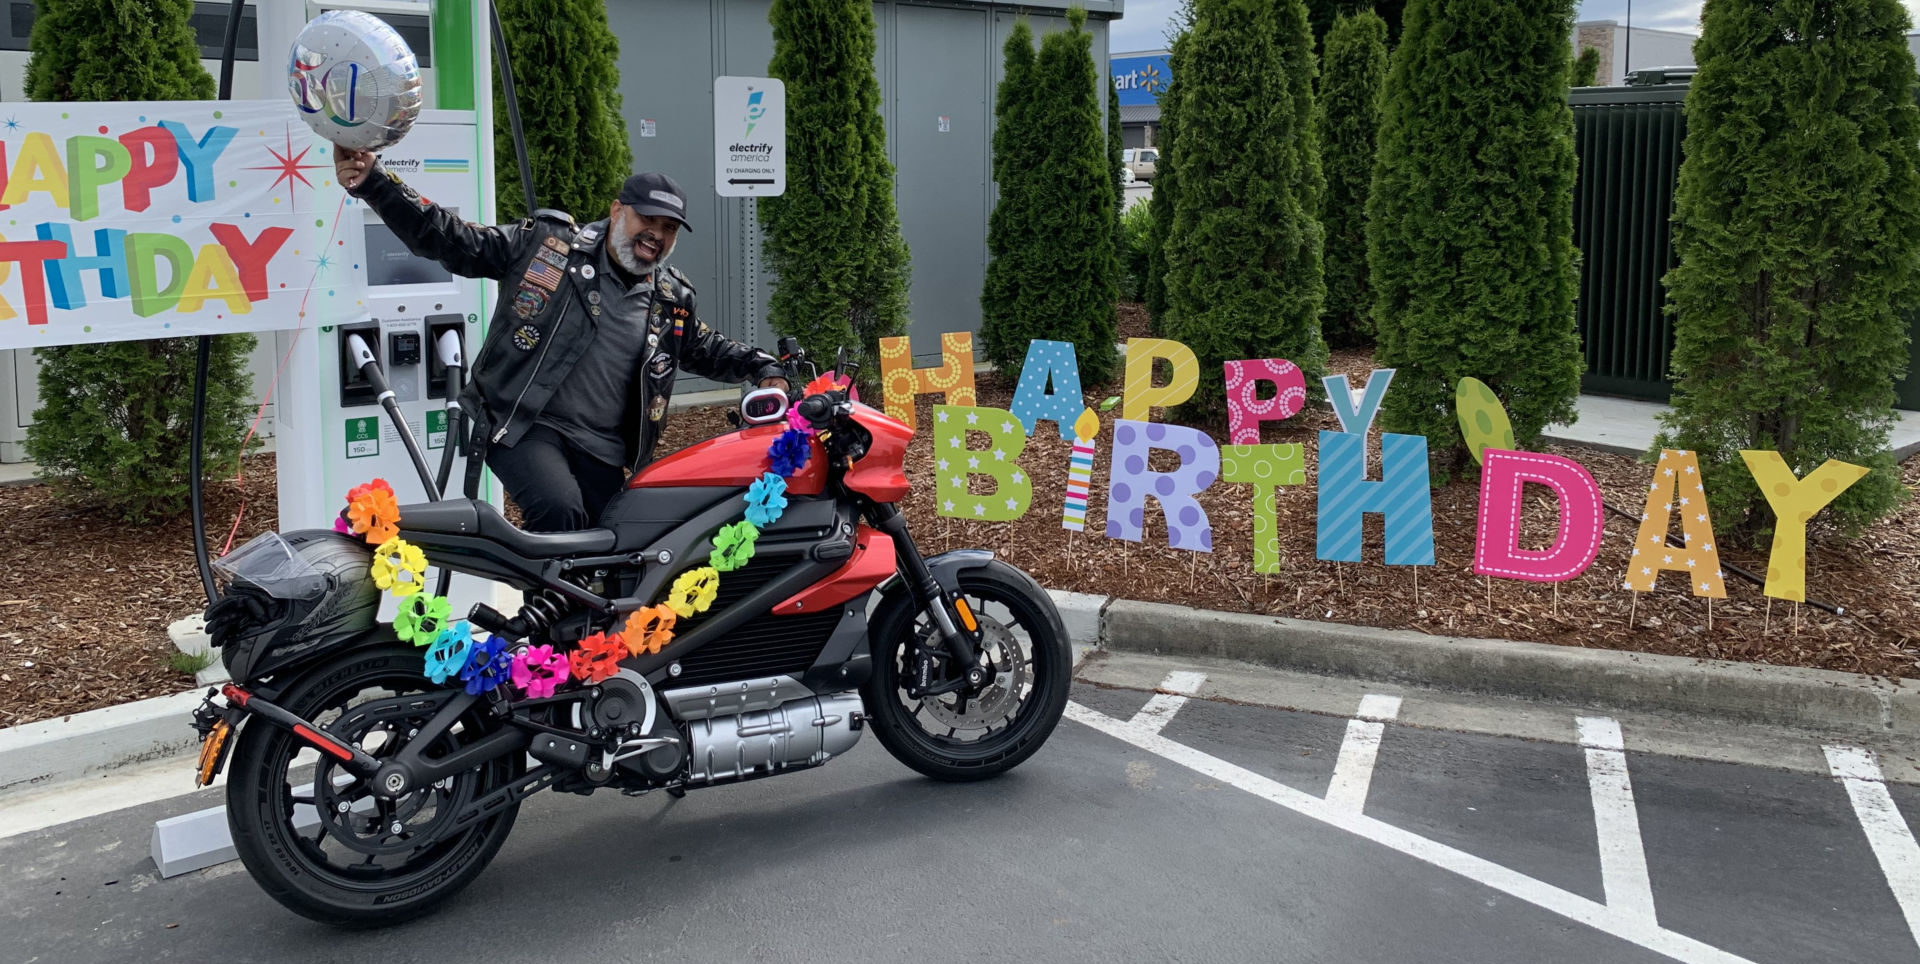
(288, 596)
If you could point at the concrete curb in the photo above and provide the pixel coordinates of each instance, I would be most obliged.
(70, 747)
(1738, 692)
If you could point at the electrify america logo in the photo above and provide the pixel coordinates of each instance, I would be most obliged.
(755, 109)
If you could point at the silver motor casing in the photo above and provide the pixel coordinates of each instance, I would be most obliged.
(776, 731)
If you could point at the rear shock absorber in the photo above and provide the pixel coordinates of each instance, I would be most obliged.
(538, 613)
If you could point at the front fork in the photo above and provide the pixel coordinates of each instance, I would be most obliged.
(955, 621)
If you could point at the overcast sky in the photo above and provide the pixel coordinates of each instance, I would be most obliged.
(1145, 25)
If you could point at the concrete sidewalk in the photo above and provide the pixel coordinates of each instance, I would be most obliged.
(1627, 427)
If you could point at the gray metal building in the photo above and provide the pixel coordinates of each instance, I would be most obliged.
(938, 63)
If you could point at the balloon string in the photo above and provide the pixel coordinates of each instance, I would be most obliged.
(274, 384)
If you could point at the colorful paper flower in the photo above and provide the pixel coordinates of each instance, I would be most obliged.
(733, 546)
(823, 384)
(399, 567)
(597, 657)
(766, 500)
(421, 617)
(538, 671)
(372, 511)
(340, 525)
(798, 422)
(693, 592)
(448, 654)
(649, 630)
(488, 666)
(790, 452)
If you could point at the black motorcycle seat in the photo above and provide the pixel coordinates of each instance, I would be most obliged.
(467, 517)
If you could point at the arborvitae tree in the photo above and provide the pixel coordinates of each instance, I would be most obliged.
(576, 138)
(1067, 273)
(1243, 277)
(1323, 14)
(113, 423)
(1586, 68)
(1165, 183)
(833, 239)
(1797, 226)
(1356, 66)
(1019, 147)
(1470, 224)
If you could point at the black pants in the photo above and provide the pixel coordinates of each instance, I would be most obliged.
(558, 486)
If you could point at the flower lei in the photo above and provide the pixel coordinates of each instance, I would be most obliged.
(538, 671)
(597, 658)
(488, 666)
(766, 500)
(649, 630)
(421, 618)
(733, 546)
(790, 452)
(484, 664)
(399, 567)
(373, 511)
(447, 656)
(694, 592)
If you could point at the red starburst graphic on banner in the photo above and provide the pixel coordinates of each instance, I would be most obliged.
(288, 167)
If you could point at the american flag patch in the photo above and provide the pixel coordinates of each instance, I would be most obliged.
(545, 275)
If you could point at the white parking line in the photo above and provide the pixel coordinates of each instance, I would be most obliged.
(1174, 693)
(1629, 927)
(1353, 772)
(1892, 841)
(1616, 821)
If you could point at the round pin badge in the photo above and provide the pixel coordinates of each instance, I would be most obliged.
(587, 272)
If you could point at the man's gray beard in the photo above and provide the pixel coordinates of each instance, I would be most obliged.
(623, 255)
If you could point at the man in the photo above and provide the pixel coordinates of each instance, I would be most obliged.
(570, 389)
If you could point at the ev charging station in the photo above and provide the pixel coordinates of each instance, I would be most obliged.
(332, 431)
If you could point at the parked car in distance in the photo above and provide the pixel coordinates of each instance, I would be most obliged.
(1137, 163)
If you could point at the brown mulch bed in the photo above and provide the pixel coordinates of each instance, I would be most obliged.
(1132, 322)
(85, 604)
(83, 613)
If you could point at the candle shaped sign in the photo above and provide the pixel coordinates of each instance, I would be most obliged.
(1080, 471)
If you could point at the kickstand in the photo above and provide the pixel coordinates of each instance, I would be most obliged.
(676, 791)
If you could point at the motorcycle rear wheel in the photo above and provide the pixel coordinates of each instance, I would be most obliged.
(331, 878)
(953, 740)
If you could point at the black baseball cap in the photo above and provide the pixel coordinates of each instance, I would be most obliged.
(656, 195)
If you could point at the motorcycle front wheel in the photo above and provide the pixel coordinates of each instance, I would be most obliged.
(319, 842)
(956, 737)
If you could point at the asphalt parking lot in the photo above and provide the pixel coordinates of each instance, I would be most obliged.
(1187, 824)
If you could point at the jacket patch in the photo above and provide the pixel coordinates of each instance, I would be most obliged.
(528, 302)
(526, 337)
(558, 246)
(551, 257)
(661, 364)
(543, 275)
(659, 408)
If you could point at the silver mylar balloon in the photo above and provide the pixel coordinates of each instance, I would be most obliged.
(355, 81)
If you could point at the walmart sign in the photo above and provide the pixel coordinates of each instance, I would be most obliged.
(1140, 79)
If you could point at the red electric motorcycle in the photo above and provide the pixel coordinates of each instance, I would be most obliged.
(362, 794)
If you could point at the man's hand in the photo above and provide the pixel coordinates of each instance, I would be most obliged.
(779, 383)
(350, 167)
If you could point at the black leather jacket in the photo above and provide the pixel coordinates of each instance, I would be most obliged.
(543, 322)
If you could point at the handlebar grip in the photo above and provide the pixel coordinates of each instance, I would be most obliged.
(816, 409)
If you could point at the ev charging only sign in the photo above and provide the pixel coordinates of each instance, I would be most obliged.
(749, 136)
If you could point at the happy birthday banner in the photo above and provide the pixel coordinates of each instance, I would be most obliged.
(973, 442)
(130, 220)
